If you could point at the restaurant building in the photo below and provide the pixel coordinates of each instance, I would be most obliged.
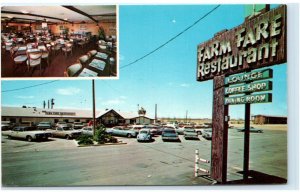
(109, 118)
(267, 119)
(59, 41)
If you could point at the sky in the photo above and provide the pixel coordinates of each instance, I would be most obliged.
(166, 78)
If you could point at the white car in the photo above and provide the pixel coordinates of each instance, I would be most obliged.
(28, 133)
(144, 135)
(87, 131)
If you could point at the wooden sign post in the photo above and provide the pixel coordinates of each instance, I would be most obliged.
(219, 132)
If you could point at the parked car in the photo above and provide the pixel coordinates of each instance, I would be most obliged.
(136, 128)
(65, 132)
(27, 124)
(28, 133)
(207, 134)
(5, 127)
(190, 133)
(60, 123)
(87, 131)
(170, 134)
(154, 130)
(252, 129)
(198, 129)
(44, 125)
(144, 135)
(8, 125)
(120, 131)
(78, 125)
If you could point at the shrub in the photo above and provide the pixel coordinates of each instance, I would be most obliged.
(101, 135)
(85, 140)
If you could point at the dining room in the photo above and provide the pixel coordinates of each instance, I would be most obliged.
(59, 41)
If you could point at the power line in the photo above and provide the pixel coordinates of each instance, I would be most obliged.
(17, 89)
(122, 67)
(173, 38)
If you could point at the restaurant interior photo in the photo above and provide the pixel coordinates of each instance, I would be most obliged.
(59, 41)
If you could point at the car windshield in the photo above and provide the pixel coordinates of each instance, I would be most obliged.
(66, 128)
(208, 130)
(144, 132)
(169, 131)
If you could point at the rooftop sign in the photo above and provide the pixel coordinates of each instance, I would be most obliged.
(257, 43)
(59, 113)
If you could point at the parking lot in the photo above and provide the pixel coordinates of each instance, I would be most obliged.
(59, 162)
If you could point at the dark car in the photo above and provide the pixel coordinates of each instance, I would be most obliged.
(44, 125)
(170, 134)
(252, 129)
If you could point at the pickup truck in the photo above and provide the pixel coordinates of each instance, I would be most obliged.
(28, 133)
(65, 132)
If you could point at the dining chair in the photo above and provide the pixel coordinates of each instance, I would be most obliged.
(72, 70)
(84, 59)
(8, 46)
(102, 47)
(34, 59)
(67, 49)
(46, 55)
(18, 59)
(55, 47)
(92, 53)
(82, 43)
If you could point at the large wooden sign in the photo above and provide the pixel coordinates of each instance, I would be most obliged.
(256, 43)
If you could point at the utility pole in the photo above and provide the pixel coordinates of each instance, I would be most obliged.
(186, 114)
(48, 104)
(155, 113)
(94, 108)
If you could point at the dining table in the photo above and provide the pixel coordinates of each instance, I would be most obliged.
(98, 66)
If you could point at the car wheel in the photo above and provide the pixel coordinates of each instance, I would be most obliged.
(29, 138)
(129, 135)
(9, 137)
(68, 137)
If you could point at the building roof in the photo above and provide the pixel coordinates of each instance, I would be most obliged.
(40, 112)
(61, 113)
(125, 115)
(270, 116)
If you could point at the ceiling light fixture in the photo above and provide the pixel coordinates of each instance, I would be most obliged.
(66, 19)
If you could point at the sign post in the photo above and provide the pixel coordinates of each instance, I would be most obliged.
(219, 132)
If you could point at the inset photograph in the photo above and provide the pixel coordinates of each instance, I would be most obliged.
(59, 41)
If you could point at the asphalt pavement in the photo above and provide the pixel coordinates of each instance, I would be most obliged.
(59, 162)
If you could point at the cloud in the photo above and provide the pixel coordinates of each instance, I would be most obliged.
(68, 91)
(115, 101)
(184, 85)
(24, 97)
